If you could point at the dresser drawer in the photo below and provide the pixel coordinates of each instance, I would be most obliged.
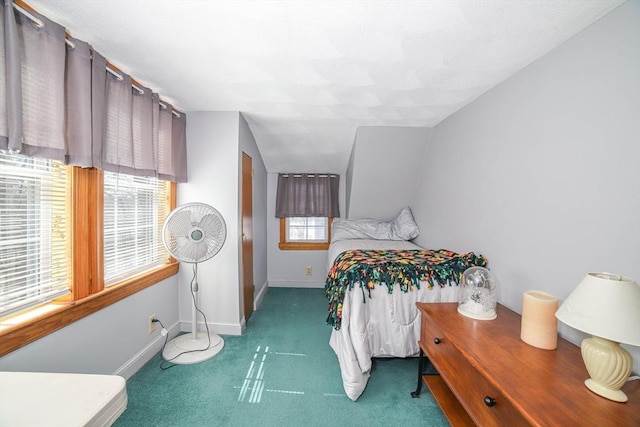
(435, 344)
(483, 402)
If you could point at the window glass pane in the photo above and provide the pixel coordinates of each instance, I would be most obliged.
(35, 261)
(134, 212)
(312, 229)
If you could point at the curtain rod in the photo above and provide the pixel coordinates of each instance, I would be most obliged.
(26, 10)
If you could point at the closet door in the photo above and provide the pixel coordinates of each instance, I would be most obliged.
(247, 235)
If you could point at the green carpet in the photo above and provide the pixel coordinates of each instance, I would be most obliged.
(294, 380)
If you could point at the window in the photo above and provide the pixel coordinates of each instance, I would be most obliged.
(35, 264)
(94, 246)
(306, 204)
(67, 233)
(134, 213)
(306, 229)
(305, 233)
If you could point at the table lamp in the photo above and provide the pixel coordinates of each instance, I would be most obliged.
(607, 306)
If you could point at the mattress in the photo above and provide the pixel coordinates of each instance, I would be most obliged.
(53, 399)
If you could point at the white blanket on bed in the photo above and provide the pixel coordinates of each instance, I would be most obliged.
(384, 325)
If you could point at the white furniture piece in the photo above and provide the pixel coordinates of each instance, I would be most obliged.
(53, 399)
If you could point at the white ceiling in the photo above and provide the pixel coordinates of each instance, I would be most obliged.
(307, 74)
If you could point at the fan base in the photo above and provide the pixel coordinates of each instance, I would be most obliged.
(185, 350)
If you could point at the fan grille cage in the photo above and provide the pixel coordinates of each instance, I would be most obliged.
(194, 232)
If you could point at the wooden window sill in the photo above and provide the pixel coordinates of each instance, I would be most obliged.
(306, 246)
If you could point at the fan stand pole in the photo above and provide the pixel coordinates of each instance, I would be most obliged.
(194, 313)
(191, 348)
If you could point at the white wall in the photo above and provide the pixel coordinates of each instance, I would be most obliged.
(114, 340)
(541, 174)
(384, 166)
(212, 156)
(212, 153)
(215, 141)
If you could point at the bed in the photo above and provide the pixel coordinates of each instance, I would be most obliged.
(372, 320)
(60, 399)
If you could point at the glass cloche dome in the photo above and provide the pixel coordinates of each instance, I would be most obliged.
(478, 296)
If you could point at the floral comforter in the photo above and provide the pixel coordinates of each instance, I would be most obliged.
(405, 269)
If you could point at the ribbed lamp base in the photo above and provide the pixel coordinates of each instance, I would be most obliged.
(609, 366)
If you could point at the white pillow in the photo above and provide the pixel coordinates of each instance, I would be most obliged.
(347, 229)
(403, 227)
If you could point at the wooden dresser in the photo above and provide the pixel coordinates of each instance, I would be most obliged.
(489, 377)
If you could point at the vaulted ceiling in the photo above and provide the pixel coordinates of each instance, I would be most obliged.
(307, 74)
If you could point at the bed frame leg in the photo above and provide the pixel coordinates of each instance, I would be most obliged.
(416, 393)
(425, 367)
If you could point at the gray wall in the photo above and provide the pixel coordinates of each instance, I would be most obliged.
(381, 179)
(114, 340)
(288, 268)
(385, 165)
(541, 174)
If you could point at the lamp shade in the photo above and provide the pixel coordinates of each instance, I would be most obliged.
(606, 306)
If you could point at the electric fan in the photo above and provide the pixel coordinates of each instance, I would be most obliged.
(192, 233)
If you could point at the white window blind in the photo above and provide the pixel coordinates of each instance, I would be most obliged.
(35, 259)
(307, 229)
(134, 212)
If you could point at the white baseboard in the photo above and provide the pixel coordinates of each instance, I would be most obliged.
(218, 328)
(295, 284)
(134, 364)
(260, 295)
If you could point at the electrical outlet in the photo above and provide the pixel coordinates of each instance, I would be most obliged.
(152, 325)
(309, 271)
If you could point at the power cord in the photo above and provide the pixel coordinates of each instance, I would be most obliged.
(165, 333)
(166, 363)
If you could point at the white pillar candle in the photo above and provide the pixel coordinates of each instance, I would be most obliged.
(539, 326)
